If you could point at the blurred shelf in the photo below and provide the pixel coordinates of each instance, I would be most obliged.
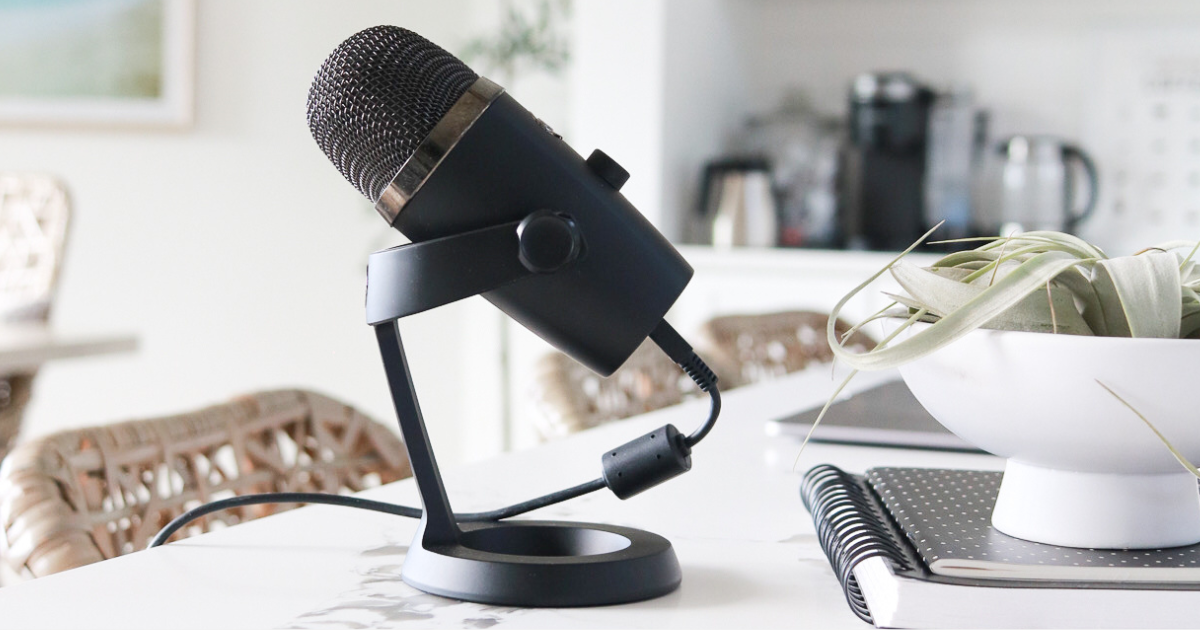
(27, 346)
(776, 259)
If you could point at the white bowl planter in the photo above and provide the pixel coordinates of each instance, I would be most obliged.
(1083, 470)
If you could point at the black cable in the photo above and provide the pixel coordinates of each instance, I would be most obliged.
(714, 411)
(533, 504)
(674, 345)
(182, 520)
(179, 522)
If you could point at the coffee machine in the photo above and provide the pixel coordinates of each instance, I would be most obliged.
(882, 198)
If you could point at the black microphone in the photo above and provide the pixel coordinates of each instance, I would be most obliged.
(442, 151)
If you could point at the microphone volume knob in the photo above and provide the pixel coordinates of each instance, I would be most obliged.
(548, 241)
(607, 169)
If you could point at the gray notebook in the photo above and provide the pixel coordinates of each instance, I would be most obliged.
(884, 415)
(946, 516)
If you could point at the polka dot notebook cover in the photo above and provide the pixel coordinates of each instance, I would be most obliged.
(946, 517)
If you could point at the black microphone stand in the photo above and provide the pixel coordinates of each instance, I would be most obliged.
(515, 563)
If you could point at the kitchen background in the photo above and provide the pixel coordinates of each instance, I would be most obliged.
(235, 252)
(1118, 78)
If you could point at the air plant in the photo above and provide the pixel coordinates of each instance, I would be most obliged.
(1046, 282)
(1036, 282)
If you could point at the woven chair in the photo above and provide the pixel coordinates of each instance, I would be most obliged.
(741, 349)
(34, 212)
(571, 398)
(82, 496)
(774, 344)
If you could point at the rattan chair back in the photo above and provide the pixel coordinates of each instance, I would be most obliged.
(741, 349)
(34, 213)
(770, 345)
(86, 495)
(571, 397)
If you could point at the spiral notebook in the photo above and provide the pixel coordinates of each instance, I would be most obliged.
(915, 548)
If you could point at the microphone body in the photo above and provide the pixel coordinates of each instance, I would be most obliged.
(507, 164)
(444, 152)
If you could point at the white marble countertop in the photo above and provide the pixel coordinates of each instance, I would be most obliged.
(745, 543)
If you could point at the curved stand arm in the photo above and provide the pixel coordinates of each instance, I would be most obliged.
(413, 278)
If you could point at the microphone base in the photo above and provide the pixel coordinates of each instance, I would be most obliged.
(544, 564)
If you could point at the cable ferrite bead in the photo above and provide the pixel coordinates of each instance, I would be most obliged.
(641, 464)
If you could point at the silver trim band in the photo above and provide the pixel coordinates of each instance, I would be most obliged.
(445, 135)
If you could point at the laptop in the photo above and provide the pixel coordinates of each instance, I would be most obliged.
(884, 415)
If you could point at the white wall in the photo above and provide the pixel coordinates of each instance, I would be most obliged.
(658, 85)
(234, 250)
(1031, 61)
(704, 89)
(616, 98)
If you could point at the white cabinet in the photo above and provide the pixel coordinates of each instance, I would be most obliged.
(766, 280)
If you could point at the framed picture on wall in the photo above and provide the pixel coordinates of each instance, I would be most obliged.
(96, 62)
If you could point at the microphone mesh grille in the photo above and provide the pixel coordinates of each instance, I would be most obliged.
(377, 97)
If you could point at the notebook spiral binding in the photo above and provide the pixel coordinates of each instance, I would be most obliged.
(849, 527)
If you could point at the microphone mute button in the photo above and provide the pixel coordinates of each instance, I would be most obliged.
(607, 169)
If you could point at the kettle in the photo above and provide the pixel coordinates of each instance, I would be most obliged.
(737, 206)
(1038, 186)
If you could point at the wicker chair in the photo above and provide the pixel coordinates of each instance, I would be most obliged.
(573, 398)
(82, 496)
(34, 212)
(741, 349)
(772, 345)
